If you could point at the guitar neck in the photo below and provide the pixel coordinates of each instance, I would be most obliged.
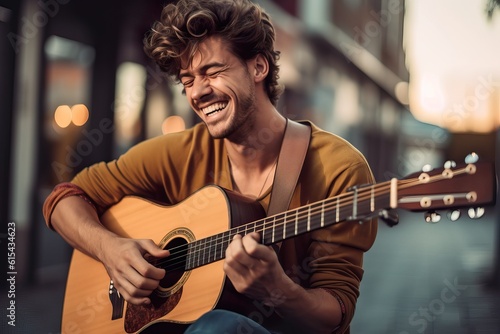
(358, 204)
(470, 184)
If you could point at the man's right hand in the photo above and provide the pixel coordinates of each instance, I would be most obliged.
(126, 263)
(124, 259)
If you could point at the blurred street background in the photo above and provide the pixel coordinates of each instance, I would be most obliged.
(409, 83)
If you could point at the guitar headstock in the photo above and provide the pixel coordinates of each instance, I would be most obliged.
(471, 185)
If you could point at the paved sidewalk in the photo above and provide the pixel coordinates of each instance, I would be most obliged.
(425, 278)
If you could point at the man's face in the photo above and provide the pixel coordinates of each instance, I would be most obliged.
(219, 88)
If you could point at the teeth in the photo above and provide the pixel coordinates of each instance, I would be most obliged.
(214, 108)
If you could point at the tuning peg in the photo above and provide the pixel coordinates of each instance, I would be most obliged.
(427, 168)
(450, 164)
(432, 217)
(390, 217)
(454, 215)
(472, 158)
(475, 213)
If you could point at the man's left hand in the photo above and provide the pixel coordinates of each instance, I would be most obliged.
(255, 271)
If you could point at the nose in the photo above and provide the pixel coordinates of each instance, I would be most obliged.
(201, 88)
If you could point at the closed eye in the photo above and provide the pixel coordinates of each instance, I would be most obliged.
(214, 74)
(187, 82)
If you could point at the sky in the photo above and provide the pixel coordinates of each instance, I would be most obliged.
(453, 56)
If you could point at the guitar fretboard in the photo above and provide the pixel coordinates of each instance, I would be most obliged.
(359, 204)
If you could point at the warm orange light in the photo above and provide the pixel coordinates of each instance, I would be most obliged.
(80, 114)
(173, 124)
(453, 67)
(62, 116)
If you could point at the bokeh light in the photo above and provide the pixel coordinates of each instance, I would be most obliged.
(63, 116)
(173, 124)
(80, 114)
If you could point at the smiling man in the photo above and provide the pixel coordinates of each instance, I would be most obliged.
(222, 52)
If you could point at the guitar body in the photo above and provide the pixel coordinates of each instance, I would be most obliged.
(185, 296)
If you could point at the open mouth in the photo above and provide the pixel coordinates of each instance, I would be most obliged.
(214, 109)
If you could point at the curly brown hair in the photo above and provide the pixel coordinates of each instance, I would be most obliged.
(243, 24)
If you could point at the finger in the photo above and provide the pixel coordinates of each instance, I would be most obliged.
(148, 271)
(254, 235)
(235, 265)
(250, 243)
(140, 281)
(256, 250)
(146, 268)
(131, 294)
(151, 248)
(236, 254)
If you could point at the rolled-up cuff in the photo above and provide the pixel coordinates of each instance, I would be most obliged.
(342, 309)
(60, 191)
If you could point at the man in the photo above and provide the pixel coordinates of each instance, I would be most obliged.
(222, 52)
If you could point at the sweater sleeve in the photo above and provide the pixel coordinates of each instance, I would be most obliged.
(60, 191)
(336, 252)
(331, 258)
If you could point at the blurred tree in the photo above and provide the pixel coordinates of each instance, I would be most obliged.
(491, 6)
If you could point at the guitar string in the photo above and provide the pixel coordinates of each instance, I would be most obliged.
(277, 223)
(364, 194)
(211, 245)
(263, 227)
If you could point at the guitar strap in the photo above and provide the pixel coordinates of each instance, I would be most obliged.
(292, 155)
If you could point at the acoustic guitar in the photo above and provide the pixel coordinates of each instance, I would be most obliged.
(198, 230)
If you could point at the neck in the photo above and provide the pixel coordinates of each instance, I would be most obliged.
(261, 146)
(253, 161)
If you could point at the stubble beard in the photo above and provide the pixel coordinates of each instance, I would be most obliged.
(242, 120)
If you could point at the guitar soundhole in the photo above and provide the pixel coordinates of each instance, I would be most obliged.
(176, 264)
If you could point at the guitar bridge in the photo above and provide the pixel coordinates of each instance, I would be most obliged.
(117, 302)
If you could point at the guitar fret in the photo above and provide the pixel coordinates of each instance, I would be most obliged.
(229, 238)
(337, 210)
(309, 218)
(224, 243)
(274, 228)
(192, 254)
(279, 227)
(213, 247)
(195, 253)
(284, 226)
(261, 225)
(290, 229)
(296, 221)
(203, 252)
(303, 223)
(322, 214)
(355, 204)
(372, 199)
(263, 236)
(189, 256)
(216, 246)
(196, 256)
(209, 241)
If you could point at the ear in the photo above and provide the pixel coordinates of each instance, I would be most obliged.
(260, 68)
